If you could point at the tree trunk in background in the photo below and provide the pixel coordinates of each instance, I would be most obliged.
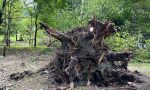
(5, 34)
(30, 37)
(8, 27)
(1, 12)
(9, 22)
(36, 25)
(36, 28)
(16, 35)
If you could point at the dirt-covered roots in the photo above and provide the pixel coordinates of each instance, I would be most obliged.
(18, 76)
(98, 78)
(84, 58)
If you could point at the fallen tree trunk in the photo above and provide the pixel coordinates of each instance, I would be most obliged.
(84, 58)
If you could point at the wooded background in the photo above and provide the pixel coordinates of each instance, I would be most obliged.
(19, 22)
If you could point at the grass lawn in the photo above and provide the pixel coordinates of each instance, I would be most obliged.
(141, 67)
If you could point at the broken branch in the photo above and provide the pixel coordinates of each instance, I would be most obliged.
(55, 33)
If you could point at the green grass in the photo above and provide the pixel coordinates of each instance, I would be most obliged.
(17, 47)
(141, 67)
(19, 44)
(1, 38)
(15, 43)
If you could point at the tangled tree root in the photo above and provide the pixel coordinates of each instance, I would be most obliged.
(84, 59)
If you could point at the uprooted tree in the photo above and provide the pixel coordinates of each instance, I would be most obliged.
(84, 58)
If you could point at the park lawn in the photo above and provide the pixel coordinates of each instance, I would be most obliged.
(141, 67)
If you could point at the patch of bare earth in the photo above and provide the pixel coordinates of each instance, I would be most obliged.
(20, 63)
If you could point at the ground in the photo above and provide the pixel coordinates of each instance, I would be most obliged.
(33, 60)
(26, 59)
(141, 67)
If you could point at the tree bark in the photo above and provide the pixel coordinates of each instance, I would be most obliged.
(9, 22)
(36, 25)
(36, 29)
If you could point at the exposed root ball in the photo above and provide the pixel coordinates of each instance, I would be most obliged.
(84, 59)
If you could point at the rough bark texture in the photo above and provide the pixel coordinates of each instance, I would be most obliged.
(84, 59)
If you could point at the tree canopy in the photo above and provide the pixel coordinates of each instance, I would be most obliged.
(131, 17)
